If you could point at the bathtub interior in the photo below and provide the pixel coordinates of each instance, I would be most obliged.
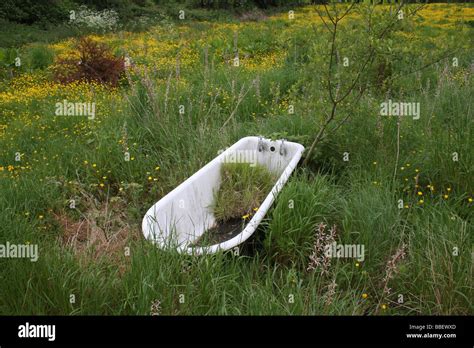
(182, 216)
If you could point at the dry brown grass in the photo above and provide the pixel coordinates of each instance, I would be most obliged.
(253, 16)
(102, 231)
(318, 260)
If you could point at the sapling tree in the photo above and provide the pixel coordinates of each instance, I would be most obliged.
(349, 64)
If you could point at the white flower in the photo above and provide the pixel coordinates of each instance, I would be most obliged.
(106, 19)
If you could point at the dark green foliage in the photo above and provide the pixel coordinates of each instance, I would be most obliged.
(39, 57)
(31, 11)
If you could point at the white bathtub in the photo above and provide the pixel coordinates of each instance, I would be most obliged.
(184, 214)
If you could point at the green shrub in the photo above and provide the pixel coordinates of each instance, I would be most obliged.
(31, 11)
(7, 62)
(7, 56)
(39, 57)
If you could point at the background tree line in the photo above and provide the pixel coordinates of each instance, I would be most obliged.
(55, 11)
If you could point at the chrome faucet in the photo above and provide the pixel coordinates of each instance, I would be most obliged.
(282, 148)
(261, 145)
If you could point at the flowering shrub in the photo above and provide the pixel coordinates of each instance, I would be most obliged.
(106, 19)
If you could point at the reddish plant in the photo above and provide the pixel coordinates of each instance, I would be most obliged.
(94, 62)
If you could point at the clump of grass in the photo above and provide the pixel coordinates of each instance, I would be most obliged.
(40, 56)
(243, 189)
(303, 204)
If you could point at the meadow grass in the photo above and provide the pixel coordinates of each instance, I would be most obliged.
(140, 146)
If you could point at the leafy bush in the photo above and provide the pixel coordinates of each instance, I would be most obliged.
(7, 56)
(248, 3)
(7, 62)
(31, 11)
(39, 57)
(94, 62)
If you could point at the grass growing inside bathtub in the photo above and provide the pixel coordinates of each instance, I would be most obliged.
(243, 189)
